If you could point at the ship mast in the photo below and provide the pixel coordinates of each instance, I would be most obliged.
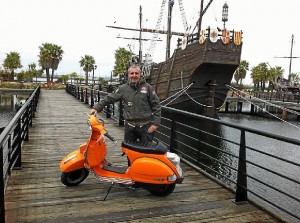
(140, 38)
(290, 57)
(202, 12)
(170, 7)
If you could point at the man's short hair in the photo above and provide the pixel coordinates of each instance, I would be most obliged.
(134, 66)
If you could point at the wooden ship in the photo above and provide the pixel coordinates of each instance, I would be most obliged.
(194, 78)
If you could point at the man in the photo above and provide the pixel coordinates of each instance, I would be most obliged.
(142, 110)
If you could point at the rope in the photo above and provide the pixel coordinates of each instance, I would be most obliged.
(238, 92)
(177, 93)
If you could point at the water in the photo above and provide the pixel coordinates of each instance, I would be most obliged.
(283, 150)
(8, 107)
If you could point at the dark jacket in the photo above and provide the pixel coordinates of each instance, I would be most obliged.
(141, 103)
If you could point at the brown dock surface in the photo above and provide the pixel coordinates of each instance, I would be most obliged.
(36, 194)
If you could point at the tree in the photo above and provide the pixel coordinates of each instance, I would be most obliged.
(87, 63)
(295, 79)
(241, 71)
(63, 79)
(274, 73)
(49, 57)
(34, 72)
(122, 59)
(73, 76)
(260, 74)
(11, 63)
(56, 53)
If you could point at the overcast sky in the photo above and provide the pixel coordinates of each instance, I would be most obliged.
(79, 27)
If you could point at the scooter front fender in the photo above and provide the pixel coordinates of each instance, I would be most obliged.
(73, 161)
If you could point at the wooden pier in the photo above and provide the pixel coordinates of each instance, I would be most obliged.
(9, 91)
(35, 193)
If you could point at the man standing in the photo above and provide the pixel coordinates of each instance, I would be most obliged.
(142, 110)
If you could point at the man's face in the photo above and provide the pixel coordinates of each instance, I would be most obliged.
(134, 75)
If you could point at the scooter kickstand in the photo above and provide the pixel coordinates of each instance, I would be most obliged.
(111, 186)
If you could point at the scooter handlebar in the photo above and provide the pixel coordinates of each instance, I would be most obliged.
(110, 137)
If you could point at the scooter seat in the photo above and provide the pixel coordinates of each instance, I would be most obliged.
(150, 147)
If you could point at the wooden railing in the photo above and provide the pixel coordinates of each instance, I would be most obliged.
(11, 140)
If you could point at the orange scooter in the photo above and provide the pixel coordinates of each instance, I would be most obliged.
(151, 166)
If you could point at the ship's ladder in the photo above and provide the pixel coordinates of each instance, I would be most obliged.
(150, 52)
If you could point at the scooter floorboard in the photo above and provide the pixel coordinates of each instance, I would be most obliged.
(115, 169)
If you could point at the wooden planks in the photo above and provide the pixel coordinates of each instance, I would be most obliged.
(35, 193)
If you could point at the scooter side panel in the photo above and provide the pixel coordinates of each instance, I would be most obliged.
(150, 170)
(95, 153)
(73, 161)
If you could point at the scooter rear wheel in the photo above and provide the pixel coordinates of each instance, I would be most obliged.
(75, 177)
(164, 190)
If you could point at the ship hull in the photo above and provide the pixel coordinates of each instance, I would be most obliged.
(195, 78)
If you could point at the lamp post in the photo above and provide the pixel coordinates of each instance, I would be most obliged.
(225, 14)
(93, 81)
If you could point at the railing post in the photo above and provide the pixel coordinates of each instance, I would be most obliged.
(81, 95)
(121, 115)
(226, 106)
(26, 124)
(241, 190)
(108, 111)
(18, 164)
(108, 107)
(86, 98)
(2, 200)
(173, 141)
(92, 98)
(78, 92)
(99, 96)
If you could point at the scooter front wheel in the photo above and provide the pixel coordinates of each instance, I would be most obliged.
(163, 190)
(75, 177)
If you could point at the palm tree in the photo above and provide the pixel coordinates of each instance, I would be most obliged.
(73, 76)
(11, 63)
(87, 63)
(34, 72)
(49, 58)
(260, 74)
(241, 71)
(295, 78)
(274, 73)
(56, 53)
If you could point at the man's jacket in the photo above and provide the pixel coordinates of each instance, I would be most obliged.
(141, 104)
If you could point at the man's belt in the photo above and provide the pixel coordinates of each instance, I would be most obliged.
(139, 123)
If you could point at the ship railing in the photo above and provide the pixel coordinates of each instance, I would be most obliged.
(256, 173)
(194, 37)
(12, 138)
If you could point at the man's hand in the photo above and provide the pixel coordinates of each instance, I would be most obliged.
(152, 128)
(93, 112)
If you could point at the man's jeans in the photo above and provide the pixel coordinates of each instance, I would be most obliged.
(133, 133)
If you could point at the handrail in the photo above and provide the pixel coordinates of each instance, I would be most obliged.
(235, 161)
(203, 146)
(11, 140)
